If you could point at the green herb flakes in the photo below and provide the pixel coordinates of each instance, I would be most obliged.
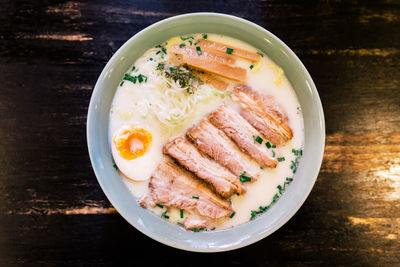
(261, 54)
(160, 206)
(232, 214)
(182, 45)
(268, 145)
(229, 50)
(181, 212)
(251, 67)
(195, 197)
(205, 36)
(160, 66)
(281, 159)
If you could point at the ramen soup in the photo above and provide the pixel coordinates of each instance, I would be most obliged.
(206, 131)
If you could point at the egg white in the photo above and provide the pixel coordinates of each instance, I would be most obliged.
(141, 168)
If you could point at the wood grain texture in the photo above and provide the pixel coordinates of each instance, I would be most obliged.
(53, 211)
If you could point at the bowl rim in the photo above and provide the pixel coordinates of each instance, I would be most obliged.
(312, 87)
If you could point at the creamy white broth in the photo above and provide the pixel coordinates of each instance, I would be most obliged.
(269, 79)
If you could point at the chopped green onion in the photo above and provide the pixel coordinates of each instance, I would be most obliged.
(251, 67)
(196, 42)
(212, 229)
(186, 38)
(261, 54)
(268, 145)
(151, 59)
(273, 154)
(257, 139)
(160, 206)
(164, 215)
(195, 197)
(121, 83)
(164, 50)
(181, 211)
(182, 45)
(281, 159)
(115, 165)
(261, 167)
(130, 78)
(273, 146)
(229, 50)
(172, 69)
(140, 78)
(205, 36)
(199, 52)
(244, 178)
(190, 42)
(281, 188)
(198, 229)
(133, 68)
(232, 214)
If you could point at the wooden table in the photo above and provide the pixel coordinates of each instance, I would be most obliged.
(53, 211)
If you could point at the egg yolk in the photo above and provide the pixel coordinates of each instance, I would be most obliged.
(132, 142)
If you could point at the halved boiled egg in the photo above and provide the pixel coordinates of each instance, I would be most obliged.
(134, 152)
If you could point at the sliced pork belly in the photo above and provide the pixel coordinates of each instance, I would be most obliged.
(224, 182)
(172, 186)
(264, 114)
(193, 221)
(218, 146)
(242, 133)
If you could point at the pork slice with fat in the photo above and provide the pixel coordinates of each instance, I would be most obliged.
(222, 180)
(242, 133)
